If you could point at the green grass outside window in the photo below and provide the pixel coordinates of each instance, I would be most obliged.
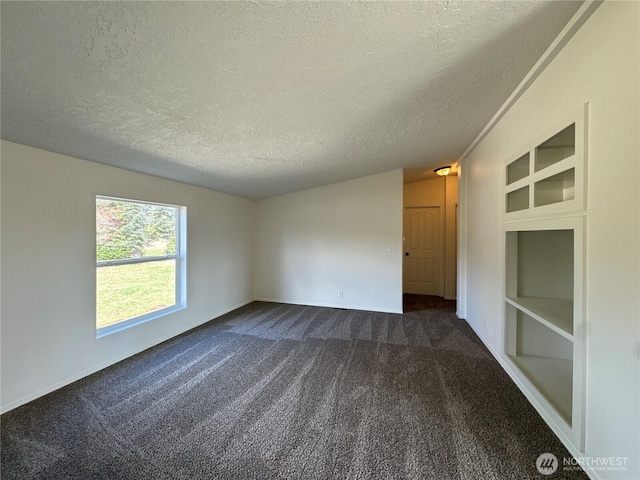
(126, 291)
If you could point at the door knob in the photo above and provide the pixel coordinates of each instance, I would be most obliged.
(406, 254)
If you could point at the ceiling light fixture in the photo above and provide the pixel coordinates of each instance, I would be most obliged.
(442, 171)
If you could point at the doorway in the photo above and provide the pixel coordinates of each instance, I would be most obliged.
(422, 266)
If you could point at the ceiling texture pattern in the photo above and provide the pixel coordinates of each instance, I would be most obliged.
(261, 99)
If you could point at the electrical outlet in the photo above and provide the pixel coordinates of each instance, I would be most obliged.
(340, 293)
(235, 294)
(485, 323)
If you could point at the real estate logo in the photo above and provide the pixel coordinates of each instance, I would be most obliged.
(547, 463)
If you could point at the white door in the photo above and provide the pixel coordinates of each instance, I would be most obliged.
(422, 269)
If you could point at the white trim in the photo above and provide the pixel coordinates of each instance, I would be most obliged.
(181, 257)
(567, 33)
(129, 261)
(102, 332)
(135, 200)
(330, 305)
(461, 293)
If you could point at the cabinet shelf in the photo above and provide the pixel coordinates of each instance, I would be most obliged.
(555, 313)
(543, 301)
(555, 189)
(557, 148)
(549, 178)
(518, 199)
(553, 377)
(518, 169)
(544, 225)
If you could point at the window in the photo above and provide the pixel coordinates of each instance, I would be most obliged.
(140, 262)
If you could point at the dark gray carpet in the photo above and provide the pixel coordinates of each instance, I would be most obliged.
(283, 391)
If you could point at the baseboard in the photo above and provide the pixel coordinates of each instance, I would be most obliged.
(74, 378)
(330, 305)
(548, 420)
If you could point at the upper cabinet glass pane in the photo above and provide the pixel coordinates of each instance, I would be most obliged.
(562, 145)
(518, 169)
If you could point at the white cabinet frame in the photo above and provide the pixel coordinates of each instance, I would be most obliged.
(545, 215)
(574, 166)
(552, 381)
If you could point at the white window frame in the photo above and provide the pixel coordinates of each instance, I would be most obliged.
(180, 270)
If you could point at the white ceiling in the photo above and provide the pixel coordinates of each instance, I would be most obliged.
(260, 99)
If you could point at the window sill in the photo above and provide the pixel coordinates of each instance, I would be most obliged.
(132, 322)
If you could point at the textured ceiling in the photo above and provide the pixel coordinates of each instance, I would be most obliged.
(260, 99)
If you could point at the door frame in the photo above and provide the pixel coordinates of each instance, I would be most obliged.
(442, 244)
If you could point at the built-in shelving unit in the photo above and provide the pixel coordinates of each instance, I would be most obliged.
(545, 220)
(549, 176)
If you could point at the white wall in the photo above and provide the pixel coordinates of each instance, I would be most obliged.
(314, 243)
(599, 65)
(48, 266)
